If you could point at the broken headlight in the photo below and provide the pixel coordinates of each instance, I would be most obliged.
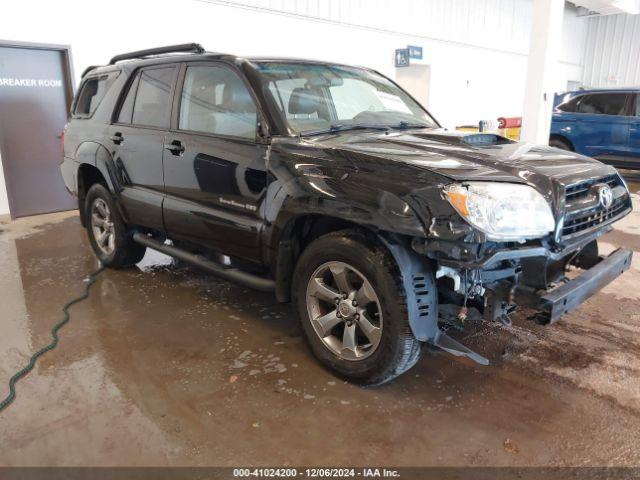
(503, 211)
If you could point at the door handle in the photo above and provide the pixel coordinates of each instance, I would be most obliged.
(176, 147)
(117, 138)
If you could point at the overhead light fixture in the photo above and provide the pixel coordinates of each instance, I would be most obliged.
(629, 6)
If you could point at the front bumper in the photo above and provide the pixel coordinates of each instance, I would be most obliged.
(560, 300)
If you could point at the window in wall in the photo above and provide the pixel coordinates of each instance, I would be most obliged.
(91, 94)
(573, 85)
(151, 106)
(215, 100)
(604, 104)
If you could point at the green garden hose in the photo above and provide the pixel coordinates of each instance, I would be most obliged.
(54, 335)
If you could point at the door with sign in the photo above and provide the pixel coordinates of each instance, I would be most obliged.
(35, 94)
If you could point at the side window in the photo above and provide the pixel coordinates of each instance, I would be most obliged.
(604, 104)
(91, 94)
(637, 104)
(152, 102)
(570, 106)
(215, 100)
(126, 110)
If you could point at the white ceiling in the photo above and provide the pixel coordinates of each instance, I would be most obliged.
(608, 7)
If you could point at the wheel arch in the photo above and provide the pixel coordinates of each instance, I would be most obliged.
(95, 165)
(562, 138)
(296, 234)
(88, 175)
(295, 221)
(417, 272)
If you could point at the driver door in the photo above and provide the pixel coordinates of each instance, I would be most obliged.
(214, 165)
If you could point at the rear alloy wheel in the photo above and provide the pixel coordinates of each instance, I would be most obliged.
(102, 226)
(344, 310)
(110, 237)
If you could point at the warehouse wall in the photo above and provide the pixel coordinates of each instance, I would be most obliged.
(4, 200)
(502, 25)
(612, 54)
(477, 50)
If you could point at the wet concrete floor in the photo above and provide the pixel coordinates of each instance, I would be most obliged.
(165, 365)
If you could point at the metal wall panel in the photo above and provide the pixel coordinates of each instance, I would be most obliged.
(612, 54)
(500, 25)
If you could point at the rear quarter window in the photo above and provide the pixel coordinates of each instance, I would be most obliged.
(91, 93)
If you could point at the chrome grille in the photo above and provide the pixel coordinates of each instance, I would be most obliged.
(583, 210)
(580, 190)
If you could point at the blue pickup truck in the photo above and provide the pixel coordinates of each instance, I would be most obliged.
(604, 124)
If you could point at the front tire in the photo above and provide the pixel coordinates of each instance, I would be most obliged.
(352, 307)
(561, 144)
(108, 234)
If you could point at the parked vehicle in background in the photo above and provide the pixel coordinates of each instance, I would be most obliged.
(603, 124)
(332, 187)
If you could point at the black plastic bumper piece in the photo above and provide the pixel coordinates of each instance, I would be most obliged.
(567, 297)
(454, 347)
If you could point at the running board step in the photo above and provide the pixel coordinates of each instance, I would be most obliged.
(252, 281)
(454, 347)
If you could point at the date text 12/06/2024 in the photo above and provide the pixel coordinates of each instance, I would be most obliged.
(315, 473)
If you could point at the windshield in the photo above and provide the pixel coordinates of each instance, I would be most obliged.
(320, 98)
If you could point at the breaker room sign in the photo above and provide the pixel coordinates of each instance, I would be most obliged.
(30, 82)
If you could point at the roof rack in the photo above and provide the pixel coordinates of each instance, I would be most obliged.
(185, 47)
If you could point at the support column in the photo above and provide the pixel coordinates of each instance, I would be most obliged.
(546, 41)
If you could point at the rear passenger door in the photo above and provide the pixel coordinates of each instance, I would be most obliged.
(603, 123)
(214, 165)
(137, 139)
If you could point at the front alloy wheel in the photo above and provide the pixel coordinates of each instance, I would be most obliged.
(348, 293)
(344, 310)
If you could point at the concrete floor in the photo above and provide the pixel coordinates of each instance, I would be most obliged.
(164, 365)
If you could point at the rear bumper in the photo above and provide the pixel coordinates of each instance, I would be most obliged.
(561, 300)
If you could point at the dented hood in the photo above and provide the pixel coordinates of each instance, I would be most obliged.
(464, 156)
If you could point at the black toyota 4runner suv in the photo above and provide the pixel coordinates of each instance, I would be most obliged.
(332, 187)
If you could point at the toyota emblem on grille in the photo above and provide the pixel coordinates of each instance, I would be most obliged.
(605, 195)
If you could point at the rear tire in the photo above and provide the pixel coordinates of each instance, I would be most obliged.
(108, 234)
(373, 278)
(561, 144)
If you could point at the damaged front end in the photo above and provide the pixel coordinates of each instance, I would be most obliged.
(477, 276)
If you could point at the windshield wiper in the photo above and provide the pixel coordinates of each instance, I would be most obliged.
(343, 127)
(406, 125)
